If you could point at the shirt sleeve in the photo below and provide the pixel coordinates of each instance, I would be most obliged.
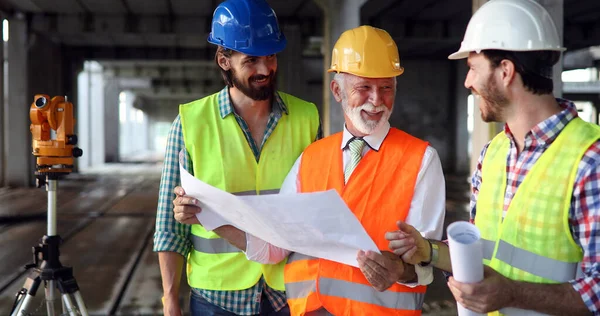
(261, 251)
(476, 183)
(171, 235)
(428, 207)
(584, 219)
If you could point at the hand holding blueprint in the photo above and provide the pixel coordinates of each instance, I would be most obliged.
(317, 224)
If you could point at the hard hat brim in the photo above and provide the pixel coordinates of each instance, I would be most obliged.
(259, 49)
(464, 54)
(391, 74)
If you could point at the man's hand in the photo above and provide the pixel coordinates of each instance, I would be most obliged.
(381, 270)
(185, 207)
(408, 243)
(171, 307)
(491, 294)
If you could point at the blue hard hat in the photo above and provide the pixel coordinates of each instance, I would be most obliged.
(247, 26)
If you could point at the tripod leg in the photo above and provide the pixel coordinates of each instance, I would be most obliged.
(30, 289)
(80, 303)
(71, 309)
(50, 297)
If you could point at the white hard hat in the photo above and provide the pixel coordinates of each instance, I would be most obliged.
(511, 25)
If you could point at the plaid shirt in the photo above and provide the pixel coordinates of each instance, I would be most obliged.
(584, 213)
(173, 236)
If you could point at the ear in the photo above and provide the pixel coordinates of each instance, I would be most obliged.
(224, 62)
(336, 90)
(508, 72)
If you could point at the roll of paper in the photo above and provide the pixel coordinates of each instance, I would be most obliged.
(466, 256)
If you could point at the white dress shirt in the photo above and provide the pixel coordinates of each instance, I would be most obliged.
(426, 213)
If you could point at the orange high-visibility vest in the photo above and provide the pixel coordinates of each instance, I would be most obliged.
(379, 193)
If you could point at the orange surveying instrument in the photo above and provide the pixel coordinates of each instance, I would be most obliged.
(54, 158)
(53, 155)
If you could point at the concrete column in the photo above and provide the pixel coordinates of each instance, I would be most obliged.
(291, 75)
(90, 118)
(18, 145)
(339, 15)
(482, 132)
(111, 120)
(556, 10)
(3, 132)
(462, 150)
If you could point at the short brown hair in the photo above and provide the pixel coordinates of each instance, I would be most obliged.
(535, 67)
(226, 74)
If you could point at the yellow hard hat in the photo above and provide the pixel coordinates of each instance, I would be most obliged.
(366, 51)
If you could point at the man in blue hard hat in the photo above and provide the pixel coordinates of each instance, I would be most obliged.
(243, 139)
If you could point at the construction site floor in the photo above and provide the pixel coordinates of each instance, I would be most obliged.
(106, 219)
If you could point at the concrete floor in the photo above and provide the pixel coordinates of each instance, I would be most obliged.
(106, 219)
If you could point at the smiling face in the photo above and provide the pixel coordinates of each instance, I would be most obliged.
(483, 83)
(253, 76)
(367, 102)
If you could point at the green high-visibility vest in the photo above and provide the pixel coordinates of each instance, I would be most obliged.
(533, 242)
(222, 157)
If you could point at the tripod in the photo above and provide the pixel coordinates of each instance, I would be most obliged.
(46, 266)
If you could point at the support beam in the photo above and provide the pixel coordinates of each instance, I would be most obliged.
(556, 10)
(339, 16)
(18, 145)
(3, 131)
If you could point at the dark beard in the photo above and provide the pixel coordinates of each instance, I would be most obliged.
(495, 101)
(257, 94)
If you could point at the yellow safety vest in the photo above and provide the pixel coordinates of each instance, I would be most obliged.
(533, 243)
(221, 157)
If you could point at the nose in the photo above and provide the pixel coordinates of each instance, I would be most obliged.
(376, 97)
(469, 80)
(262, 67)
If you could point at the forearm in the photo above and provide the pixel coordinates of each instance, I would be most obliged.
(553, 299)
(443, 260)
(233, 235)
(171, 267)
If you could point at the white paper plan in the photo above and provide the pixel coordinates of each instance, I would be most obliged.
(317, 224)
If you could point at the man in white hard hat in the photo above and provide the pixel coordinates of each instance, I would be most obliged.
(536, 187)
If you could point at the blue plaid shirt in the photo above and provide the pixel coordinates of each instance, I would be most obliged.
(173, 236)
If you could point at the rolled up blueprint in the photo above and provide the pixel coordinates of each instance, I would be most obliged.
(466, 256)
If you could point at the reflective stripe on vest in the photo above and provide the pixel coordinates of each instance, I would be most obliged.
(298, 257)
(487, 248)
(367, 294)
(535, 264)
(356, 292)
(212, 245)
(262, 192)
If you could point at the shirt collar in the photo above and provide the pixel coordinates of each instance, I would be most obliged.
(226, 108)
(545, 132)
(373, 140)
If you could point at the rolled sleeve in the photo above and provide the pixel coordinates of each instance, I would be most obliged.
(171, 235)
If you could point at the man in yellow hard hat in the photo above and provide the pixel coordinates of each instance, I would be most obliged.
(535, 190)
(383, 174)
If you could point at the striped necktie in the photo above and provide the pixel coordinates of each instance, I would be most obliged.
(356, 147)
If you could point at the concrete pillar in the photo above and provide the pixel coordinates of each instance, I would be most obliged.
(291, 77)
(462, 150)
(18, 145)
(556, 10)
(111, 119)
(482, 132)
(90, 118)
(339, 15)
(3, 132)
